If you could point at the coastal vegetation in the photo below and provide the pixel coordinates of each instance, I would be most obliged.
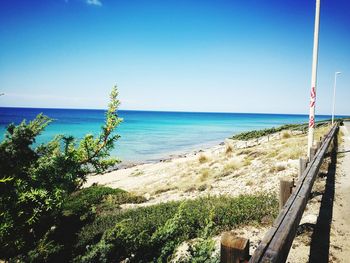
(36, 179)
(264, 132)
(91, 231)
(149, 234)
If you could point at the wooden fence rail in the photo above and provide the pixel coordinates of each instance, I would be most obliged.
(276, 244)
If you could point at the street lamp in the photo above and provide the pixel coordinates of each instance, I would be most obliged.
(334, 87)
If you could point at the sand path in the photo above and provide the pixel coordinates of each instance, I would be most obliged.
(340, 232)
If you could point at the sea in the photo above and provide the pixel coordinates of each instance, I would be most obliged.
(148, 136)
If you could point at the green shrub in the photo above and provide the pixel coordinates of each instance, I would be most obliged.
(152, 233)
(80, 208)
(46, 251)
(81, 202)
(143, 220)
(34, 181)
(259, 133)
(93, 200)
(202, 251)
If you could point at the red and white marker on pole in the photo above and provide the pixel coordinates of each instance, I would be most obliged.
(313, 81)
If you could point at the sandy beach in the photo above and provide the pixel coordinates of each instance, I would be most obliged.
(232, 168)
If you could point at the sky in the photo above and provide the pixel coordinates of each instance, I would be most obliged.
(220, 56)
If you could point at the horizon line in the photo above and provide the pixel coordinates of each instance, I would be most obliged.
(174, 111)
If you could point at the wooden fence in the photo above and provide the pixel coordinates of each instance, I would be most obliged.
(277, 242)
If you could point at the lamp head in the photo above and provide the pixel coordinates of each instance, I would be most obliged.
(338, 72)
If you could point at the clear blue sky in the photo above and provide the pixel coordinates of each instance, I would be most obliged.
(228, 56)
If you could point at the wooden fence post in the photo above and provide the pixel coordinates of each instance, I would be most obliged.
(234, 249)
(313, 151)
(318, 145)
(286, 188)
(302, 165)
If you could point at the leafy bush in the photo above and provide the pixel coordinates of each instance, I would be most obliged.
(35, 180)
(143, 221)
(152, 233)
(202, 251)
(47, 250)
(82, 202)
(79, 208)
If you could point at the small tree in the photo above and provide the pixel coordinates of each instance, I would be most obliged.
(35, 180)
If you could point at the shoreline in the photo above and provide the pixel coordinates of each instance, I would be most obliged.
(170, 155)
(231, 168)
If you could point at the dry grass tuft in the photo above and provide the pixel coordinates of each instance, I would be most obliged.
(202, 158)
(163, 190)
(204, 174)
(247, 161)
(202, 187)
(292, 152)
(249, 183)
(256, 154)
(190, 189)
(230, 167)
(244, 151)
(286, 135)
(277, 168)
(272, 154)
(229, 149)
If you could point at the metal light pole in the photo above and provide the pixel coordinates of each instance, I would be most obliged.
(313, 81)
(334, 87)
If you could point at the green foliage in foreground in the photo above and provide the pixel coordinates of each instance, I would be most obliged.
(87, 202)
(152, 233)
(264, 132)
(35, 180)
(80, 201)
(202, 251)
(80, 208)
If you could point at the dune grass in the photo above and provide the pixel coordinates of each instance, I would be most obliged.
(203, 158)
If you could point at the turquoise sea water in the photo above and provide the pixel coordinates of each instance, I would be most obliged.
(150, 135)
